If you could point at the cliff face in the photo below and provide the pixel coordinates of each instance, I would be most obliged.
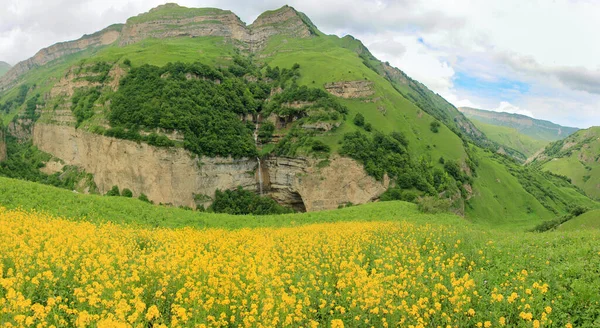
(284, 21)
(46, 55)
(174, 176)
(168, 21)
(169, 176)
(171, 20)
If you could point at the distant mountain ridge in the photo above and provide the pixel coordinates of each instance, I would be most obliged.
(4, 67)
(537, 129)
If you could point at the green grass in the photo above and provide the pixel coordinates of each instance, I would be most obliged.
(554, 257)
(324, 59)
(100, 209)
(174, 12)
(511, 137)
(501, 200)
(579, 162)
(586, 221)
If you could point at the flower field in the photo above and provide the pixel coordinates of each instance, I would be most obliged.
(56, 272)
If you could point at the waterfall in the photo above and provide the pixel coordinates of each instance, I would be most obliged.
(260, 178)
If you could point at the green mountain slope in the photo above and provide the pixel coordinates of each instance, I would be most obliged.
(537, 129)
(4, 67)
(302, 88)
(575, 157)
(586, 221)
(511, 137)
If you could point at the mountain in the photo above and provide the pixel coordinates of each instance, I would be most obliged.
(511, 138)
(575, 157)
(534, 128)
(178, 104)
(4, 67)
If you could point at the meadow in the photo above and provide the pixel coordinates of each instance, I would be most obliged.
(376, 265)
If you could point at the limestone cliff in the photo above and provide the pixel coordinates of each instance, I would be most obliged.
(284, 21)
(175, 176)
(46, 55)
(302, 183)
(172, 20)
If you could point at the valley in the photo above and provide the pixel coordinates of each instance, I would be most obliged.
(187, 169)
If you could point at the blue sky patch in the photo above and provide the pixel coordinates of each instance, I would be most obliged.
(500, 88)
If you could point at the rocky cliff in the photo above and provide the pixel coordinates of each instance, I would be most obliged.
(172, 20)
(46, 55)
(175, 176)
(169, 176)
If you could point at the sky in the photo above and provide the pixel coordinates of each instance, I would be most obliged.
(540, 58)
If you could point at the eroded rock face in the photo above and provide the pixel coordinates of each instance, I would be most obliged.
(46, 55)
(286, 21)
(295, 180)
(351, 89)
(174, 176)
(218, 23)
(194, 23)
(169, 176)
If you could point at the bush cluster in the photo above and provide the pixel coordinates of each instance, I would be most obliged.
(240, 201)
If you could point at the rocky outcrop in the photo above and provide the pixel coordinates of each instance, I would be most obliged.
(301, 183)
(351, 89)
(283, 21)
(171, 20)
(46, 55)
(174, 176)
(169, 176)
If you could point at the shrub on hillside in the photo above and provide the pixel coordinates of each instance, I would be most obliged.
(359, 120)
(127, 193)
(434, 205)
(144, 198)
(114, 191)
(240, 201)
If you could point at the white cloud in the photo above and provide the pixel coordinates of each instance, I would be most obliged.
(507, 107)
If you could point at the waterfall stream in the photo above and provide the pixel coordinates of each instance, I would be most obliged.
(260, 178)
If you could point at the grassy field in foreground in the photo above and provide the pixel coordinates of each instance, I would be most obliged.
(400, 271)
(100, 209)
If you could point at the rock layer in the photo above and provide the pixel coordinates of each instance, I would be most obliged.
(351, 89)
(169, 21)
(169, 176)
(46, 55)
(175, 176)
